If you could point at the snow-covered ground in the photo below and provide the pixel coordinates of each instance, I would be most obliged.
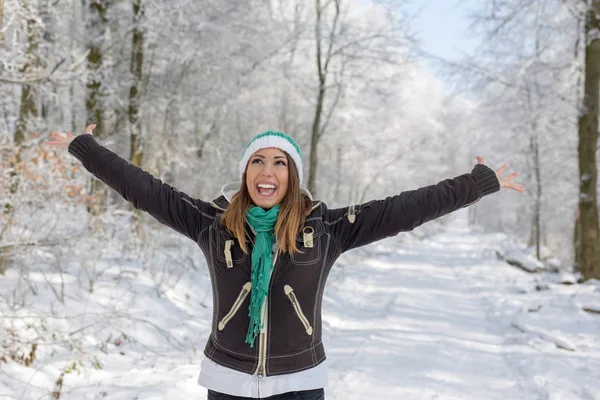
(440, 318)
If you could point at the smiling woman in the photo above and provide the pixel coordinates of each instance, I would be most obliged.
(266, 336)
(267, 177)
(271, 168)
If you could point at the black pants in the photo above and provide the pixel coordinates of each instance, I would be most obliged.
(316, 394)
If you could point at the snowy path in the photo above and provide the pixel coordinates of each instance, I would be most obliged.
(409, 319)
(406, 324)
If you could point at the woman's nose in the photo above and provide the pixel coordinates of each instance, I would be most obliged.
(267, 170)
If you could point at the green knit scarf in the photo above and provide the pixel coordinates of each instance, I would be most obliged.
(263, 223)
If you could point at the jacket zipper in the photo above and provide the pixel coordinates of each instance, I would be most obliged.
(262, 351)
(294, 300)
(262, 343)
(236, 305)
(249, 236)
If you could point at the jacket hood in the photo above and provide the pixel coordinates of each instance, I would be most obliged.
(231, 188)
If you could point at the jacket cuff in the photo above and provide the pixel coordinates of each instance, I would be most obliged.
(486, 179)
(81, 145)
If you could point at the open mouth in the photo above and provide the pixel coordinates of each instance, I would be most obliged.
(266, 190)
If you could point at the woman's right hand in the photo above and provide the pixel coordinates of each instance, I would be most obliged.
(61, 141)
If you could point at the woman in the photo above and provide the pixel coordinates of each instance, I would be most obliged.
(269, 248)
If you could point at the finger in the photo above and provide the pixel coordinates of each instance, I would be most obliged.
(517, 187)
(480, 160)
(511, 176)
(69, 134)
(501, 170)
(90, 128)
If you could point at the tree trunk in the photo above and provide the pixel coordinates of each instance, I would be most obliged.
(1, 19)
(136, 151)
(338, 180)
(321, 77)
(536, 222)
(581, 35)
(538, 207)
(27, 110)
(314, 140)
(28, 104)
(588, 139)
(97, 26)
(577, 243)
(535, 103)
(322, 70)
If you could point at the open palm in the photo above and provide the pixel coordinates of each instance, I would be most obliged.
(61, 141)
(505, 182)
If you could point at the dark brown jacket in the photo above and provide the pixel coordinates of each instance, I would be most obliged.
(293, 339)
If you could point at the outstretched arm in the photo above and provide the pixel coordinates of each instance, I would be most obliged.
(169, 206)
(359, 225)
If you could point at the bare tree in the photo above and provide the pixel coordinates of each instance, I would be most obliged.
(588, 142)
(339, 49)
(97, 26)
(525, 72)
(29, 97)
(534, 104)
(136, 152)
(28, 104)
(1, 19)
(323, 65)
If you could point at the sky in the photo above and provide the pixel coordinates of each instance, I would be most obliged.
(442, 26)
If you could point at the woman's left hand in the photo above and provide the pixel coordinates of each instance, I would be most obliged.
(506, 181)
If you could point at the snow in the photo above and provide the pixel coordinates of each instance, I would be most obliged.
(438, 318)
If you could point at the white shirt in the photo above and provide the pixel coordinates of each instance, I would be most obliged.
(229, 381)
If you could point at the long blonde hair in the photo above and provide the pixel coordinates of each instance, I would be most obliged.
(294, 208)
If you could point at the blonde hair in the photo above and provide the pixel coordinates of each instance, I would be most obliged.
(294, 208)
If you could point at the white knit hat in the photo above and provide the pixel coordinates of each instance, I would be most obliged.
(272, 139)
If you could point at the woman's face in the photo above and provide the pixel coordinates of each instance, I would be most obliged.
(267, 177)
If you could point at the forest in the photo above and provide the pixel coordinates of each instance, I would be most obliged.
(179, 87)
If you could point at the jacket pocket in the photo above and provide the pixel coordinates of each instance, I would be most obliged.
(236, 305)
(228, 249)
(310, 242)
(298, 309)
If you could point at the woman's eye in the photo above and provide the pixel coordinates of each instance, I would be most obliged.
(259, 160)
